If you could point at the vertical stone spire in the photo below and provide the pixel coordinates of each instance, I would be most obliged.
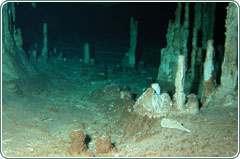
(208, 82)
(179, 96)
(133, 41)
(229, 66)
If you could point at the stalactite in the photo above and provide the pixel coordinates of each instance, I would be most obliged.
(33, 4)
(186, 31)
(178, 14)
(208, 19)
(13, 15)
(197, 25)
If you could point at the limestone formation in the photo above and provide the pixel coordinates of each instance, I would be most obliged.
(185, 31)
(78, 145)
(197, 25)
(179, 96)
(18, 38)
(92, 61)
(133, 42)
(103, 145)
(60, 56)
(14, 60)
(208, 18)
(224, 94)
(230, 66)
(177, 38)
(86, 53)
(45, 43)
(152, 104)
(156, 87)
(192, 105)
(208, 83)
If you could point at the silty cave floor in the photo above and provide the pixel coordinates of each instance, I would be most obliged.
(39, 113)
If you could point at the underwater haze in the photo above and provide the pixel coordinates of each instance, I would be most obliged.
(119, 79)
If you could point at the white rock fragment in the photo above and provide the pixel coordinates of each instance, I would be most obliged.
(174, 124)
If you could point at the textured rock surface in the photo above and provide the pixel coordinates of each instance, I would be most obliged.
(78, 145)
(179, 96)
(224, 94)
(15, 63)
(192, 105)
(103, 145)
(177, 37)
(208, 83)
(153, 105)
(229, 65)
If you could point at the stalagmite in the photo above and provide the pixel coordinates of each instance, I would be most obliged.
(152, 104)
(208, 64)
(45, 43)
(177, 38)
(86, 53)
(15, 63)
(156, 87)
(208, 82)
(179, 96)
(133, 41)
(192, 105)
(17, 35)
(230, 66)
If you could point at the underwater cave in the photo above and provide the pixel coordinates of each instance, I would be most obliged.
(119, 79)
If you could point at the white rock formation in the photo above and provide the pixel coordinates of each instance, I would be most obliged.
(156, 87)
(208, 82)
(152, 104)
(208, 64)
(179, 96)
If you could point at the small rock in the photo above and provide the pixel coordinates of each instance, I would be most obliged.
(174, 124)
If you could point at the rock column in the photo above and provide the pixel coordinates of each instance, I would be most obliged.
(179, 96)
